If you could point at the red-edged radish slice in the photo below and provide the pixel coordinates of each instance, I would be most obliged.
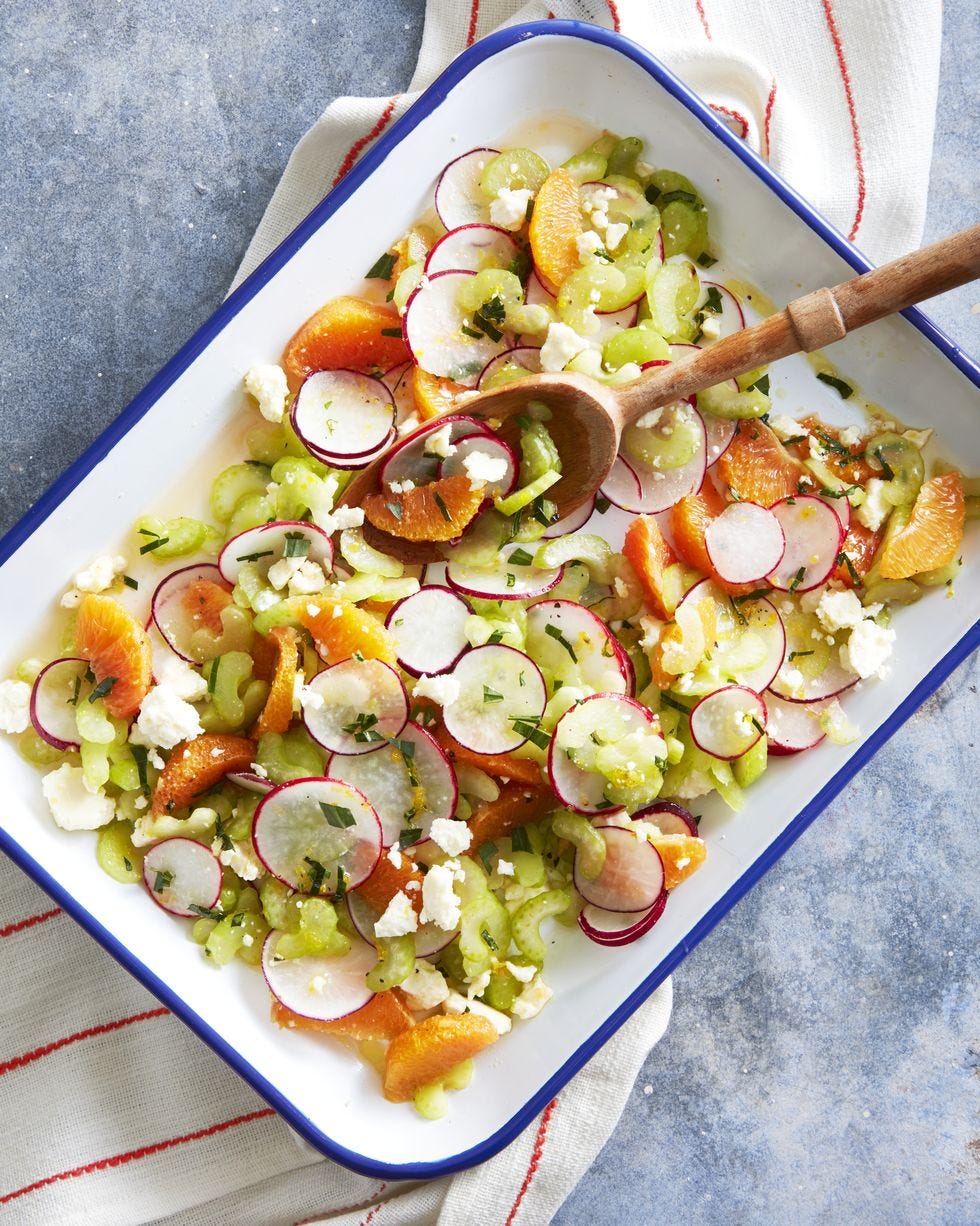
(459, 198)
(668, 817)
(54, 700)
(409, 460)
(502, 696)
(727, 722)
(429, 630)
(745, 542)
(342, 414)
(429, 938)
(660, 489)
(583, 790)
(434, 326)
(251, 782)
(356, 462)
(569, 642)
(352, 706)
(632, 877)
(537, 293)
(183, 877)
(756, 617)
(320, 988)
(573, 522)
(495, 449)
(268, 543)
(793, 726)
(527, 357)
(611, 928)
(731, 317)
(409, 783)
(309, 831)
(174, 619)
(471, 248)
(719, 434)
(398, 381)
(841, 507)
(508, 580)
(814, 535)
(622, 486)
(792, 683)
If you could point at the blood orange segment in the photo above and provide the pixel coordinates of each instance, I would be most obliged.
(499, 765)
(194, 766)
(851, 468)
(650, 555)
(340, 630)
(934, 533)
(433, 396)
(556, 224)
(430, 1050)
(205, 601)
(346, 333)
(277, 713)
(859, 548)
(682, 855)
(758, 468)
(517, 805)
(116, 646)
(383, 1017)
(386, 881)
(436, 512)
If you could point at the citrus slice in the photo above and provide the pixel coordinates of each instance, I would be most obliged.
(117, 647)
(383, 1017)
(498, 765)
(649, 555)
(859, 548)
(682, 855)
(345, 333)
(277, 713)
(436, 512)
(387, 880)
(433, 396)
(758, 468)
(205, 601)
(340, 630)
(934, 533)
(194, 766)
(556, 224)
(517, 805)
(430, 1050)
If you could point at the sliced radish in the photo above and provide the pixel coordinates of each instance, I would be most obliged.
(841, 507)
(756, 617)
(658, 489)
(508, 580)
(398, 381)
(309, 832)
(719, 435)
(622, 486)
(527, 357)
(632, 877)
(175, 619)
(583, 790)
(409, 461)
(727, 722)
(572, 522)
(496, 449)
(731, 317)
(434, 326)
(268, 543)
(429, 938)
(501, 698)
(611, 928)
(182, 876)
(569, 642)
(409, 783)
(429, 630)
(623, 201)
(471, 248)
(814, 535)
(668, 817)
(832, 679)
(745, 542)
(251, 782)
(320, 988)
(355, 462)
(54, 700)
(352, 706)
(340, 414)
(459, 198)
(537, 293)
(793, 726)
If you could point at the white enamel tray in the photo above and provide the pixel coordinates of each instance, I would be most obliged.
(187, 423)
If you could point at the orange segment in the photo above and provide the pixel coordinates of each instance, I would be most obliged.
(860, 546)
(934, 533)
(517, 805)
(386, 880)
(433, 396)
(852, 468)
(436, 512)
(383, 1017)
(338, 635)
(277, 714)
(205, 600)
(194, 766)
(498, 765)
(689, 520)
(115, 645)
(682, 855)
(345, 332)
(758, 468)
(430, 1050)
(650, 555)
(556, 223)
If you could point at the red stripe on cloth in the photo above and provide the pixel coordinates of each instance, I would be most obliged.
(316, 1217)
(736, 115)
(90, 1032)
(474, 18)
(532, 1166)
(29, 922)
(770, 103)
(613, 13)
(133, 1155)
(828, 10)
(351, 156)
(699, 5)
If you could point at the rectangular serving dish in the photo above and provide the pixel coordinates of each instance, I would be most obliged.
(180, 430)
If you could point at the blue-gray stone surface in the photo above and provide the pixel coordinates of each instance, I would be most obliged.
(822, 1062)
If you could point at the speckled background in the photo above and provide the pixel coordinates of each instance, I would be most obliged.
(822, 1064)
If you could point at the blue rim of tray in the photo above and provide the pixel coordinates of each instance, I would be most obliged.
(429, 101)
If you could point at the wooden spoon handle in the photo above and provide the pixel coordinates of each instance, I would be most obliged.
(812, 322)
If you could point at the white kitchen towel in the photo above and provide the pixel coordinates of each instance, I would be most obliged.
(114, 1113)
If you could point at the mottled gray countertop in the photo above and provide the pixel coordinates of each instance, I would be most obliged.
(821, 1066)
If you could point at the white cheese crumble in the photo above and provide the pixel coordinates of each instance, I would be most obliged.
(267, 384)
(650, 418)
(874, 510)
(785, 427)
(338, 519)
(509, 207)
(186, 682)
(425, 988)
(402, 487)
(439, 443)
(483, 469)
(166, 719)
(478, 985)
(505, 868)
(615, 233)
(710, 327)
(839, 610)
(791, 678)
(532, 1000)
(399, 918)
(97, 577)
(15, 706)
(561, 345)
(452, 836)
(850, 436)
(302, 576)
(588, 243)
(523, 974)
(72, 805)
(440, 906)
(443, 690)
(394, 855)
(868, 649)
(454, 1003)
(238, 860)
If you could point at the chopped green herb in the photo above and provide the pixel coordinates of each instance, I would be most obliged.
(395, 508)
(214, 913)
(127, 864)
(798, 579)
(147, 532)
(131, 582)
(254, 557)
(489, 316)
(795, 438)
(713, 301)
(337, 815)
(362, 728)
(705, 260)
(844, 560)
(885, 466)
(838, 385)
(297, 545)
(488, 940)
(520, 265)
(602, 504)
(833, 444)
(73, 701)
(486, 852)
(213, 674)
(341, 889)
(220, 833)
(797, 655)
(391, 331)
(761, 385)
(520, 557)
(511, 579)
(317, 874)
(826, 493)
(758, 727)
(672, 702)
(739, 615)
(670, 197)
(519, 840)
(490, 695)
(163, 878)
(531, 730)
(410, 835)
(140, 755)
(382, 268)
(443, 509)
(554, 633)
(496, 637)
(104, 687)
(151, 545)
(237, 919)
(468, 331)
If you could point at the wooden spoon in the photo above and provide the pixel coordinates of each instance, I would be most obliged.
(588, 418)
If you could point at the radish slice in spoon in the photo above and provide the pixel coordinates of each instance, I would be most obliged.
(495, 449)
(514, 578)
(459, 198)
(471, 248)
(611, 928)
(409, 460)
(54, 700)
(632, 877)
(429, 629)
(267, 543)
(501, 699)
(728, 722)
(320, 988)
(175, 615)
(353, 706)
(527, 357)
(429, 938)
(183, 877)
(745, 542)
(573, 644)
(313, 833)
(440, 331)
(659, 489)
(342, 414)
(814, 535)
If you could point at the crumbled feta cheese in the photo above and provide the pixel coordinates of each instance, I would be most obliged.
(867, 649)
(101, 574)
(588, 242)
(439, 442)
(523, 974)
(839, 610)
(454, 1003)
(399, 918)
(650, 418)
(785, 427)
(338, 519)
(239, 860)
(850, 436)
(395, 856)
(310, 699)
(483, 469)
(258, 769)
(280, 573)
(561, 345)
(264, 600)
(875, 508)
(15, 706)
(425, 988)
(307, 578)
(598, 198)
(166, 719)
(440, 906)
(711, 327)
(509, 207)
(186, 682)
(615, 233)
(443, 690)
(532, 1000)
(267, 384)
(452, 836)
(791, 678)
(600, 219)
(402, 487)
(505, 868)
(478, 986)
(410, 423)
(72, 805)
